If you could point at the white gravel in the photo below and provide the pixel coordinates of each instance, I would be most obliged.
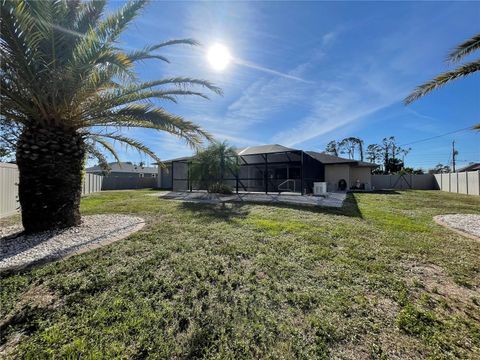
(465, 223)
(95, 231)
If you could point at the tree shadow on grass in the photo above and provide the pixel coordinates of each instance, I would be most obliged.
(227, 211)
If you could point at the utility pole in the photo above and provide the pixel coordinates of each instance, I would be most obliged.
(453, 155)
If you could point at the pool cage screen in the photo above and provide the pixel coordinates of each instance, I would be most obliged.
(288, 171)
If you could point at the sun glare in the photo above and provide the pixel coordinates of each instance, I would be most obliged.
(218, 57)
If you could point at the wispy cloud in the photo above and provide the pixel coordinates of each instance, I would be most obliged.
(270, 71)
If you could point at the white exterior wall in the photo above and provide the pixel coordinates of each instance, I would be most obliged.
(361, 173)
(334, 173)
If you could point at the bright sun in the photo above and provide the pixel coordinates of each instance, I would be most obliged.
(219, 57)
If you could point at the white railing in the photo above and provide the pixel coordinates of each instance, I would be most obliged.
(286, 182)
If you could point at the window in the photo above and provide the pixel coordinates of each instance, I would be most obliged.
(142, 175)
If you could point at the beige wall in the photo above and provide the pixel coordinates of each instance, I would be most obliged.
(361, 173)
(334, 173)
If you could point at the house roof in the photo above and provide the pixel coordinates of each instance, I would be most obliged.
(471, 167)
(332, 159)
(124, 167)
(263, 149)
(275, 148)
(329, 159)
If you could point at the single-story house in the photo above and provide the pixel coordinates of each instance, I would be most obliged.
(276, 168)
(470, 167)
(125, 170)
(126, 175)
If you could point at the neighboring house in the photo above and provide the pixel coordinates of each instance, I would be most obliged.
(126, 175)
(276, 168)
(471, 167)
(125, 169)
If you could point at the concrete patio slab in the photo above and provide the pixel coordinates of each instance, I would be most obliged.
(330, 200)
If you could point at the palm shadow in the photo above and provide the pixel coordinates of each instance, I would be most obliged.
(230, 210)
(225, 211)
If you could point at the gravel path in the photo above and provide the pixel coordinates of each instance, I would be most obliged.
(95, 231)
(466, 224)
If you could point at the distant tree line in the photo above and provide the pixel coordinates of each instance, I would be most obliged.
(387, 153)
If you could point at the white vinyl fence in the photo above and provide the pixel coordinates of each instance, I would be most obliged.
(9, 188)
(404, 181)
(461, 183)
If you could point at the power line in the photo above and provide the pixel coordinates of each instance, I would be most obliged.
(437, 136)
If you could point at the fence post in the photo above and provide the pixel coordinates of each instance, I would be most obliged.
(478, 177)
(458, 190)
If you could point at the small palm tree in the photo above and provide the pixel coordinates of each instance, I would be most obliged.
(462, 50)
(69, 86)
(212, 166)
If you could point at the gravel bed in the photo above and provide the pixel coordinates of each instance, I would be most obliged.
(468, 224)
(95, 231)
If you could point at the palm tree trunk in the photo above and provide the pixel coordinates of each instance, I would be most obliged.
(50, 161)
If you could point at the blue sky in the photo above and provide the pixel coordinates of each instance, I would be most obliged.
(309, 72)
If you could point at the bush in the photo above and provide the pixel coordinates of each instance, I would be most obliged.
(220, 188)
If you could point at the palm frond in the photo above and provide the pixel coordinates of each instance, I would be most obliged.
(476, 126)
(111, 100)
(97, 138)
(443, 79)
(182, 82)
(146, 52)
(131, 143)
(465, 48)
(148, 116)
(94, 152)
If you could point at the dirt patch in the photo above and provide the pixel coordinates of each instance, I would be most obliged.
(37, 297)
(436, 281)
(384, 340)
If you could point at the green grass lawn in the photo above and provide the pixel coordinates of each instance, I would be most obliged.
(375, 279)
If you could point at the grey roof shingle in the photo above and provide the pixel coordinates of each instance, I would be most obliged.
(331, 159)
(471, 167)
(275, 148)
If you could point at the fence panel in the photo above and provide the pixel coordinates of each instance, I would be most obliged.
(473, 182)
(445, 182)
(92, 183)
(8, 189)
(406, 181)
(9, 177)
(462, 183)
(438, 181)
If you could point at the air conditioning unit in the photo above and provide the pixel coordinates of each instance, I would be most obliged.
(319, 188)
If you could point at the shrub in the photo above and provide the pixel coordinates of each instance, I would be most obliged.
(220, 188)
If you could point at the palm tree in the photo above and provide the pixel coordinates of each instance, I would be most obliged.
(69, 86)
(212, 166)
(456, 55)
(462, 50)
